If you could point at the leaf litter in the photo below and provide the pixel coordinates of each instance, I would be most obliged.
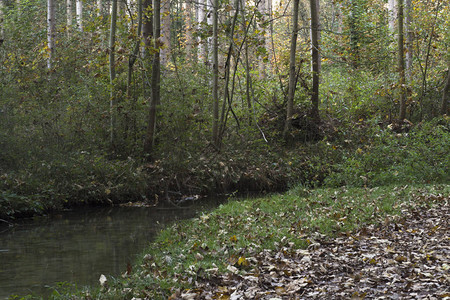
(404, 257)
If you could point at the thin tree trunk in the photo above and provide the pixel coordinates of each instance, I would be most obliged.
(50, 32)
(189, 31)
(409, 40)
(445, 94)
(69, 15)
(292, 81)
(261, 63)
(315, 60)
(2, 30)
(155, 89)
(166, 23)
(131, 61)
(201, 19)
(99, 8)
(401, 61)
(79, 10)
(247, 65)
(112, 76)
(215, 53)
(392, 13)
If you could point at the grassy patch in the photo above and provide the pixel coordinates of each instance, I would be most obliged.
(223, 239)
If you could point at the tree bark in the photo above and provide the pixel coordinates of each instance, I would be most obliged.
(292, 79)
(99, 8)
(315, 60)
(401, 61)
(2, 30)
(69, 15)
(50, 32)
(392, 13)
(409, 40)
(189, 31)
(112, 76)
(445, 94)
(215, 54)
(79, 9)
(155, 84)
(166, 23)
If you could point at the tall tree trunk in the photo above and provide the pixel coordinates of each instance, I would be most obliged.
(261, 64)
(188, 15)
(401, 61)
(201, 19)
(112, 76)
(79, 10)
(131, 119)
(2, 30)
(147, 34)
(392, 14)
(50, 32)
(445, 94)
(409, 40)
(99, 8)
(215, 54)
(315, 60)
(166, 23)
(147, 24)
(292, 77)
(69, 15)
(155, 88)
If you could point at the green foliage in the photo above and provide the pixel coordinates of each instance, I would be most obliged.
(384, 157)
(243, 228)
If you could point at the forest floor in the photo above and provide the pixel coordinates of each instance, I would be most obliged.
(389, 242)
(407, 258)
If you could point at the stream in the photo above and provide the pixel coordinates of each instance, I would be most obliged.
(78, 246)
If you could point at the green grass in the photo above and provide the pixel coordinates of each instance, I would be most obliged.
(242, 228)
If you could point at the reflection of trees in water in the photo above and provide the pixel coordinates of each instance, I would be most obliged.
(77, 246)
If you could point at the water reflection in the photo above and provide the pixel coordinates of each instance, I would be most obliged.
(77, 246)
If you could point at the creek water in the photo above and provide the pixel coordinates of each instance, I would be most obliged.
(78, 246)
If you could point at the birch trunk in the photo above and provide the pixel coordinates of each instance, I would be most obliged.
(392, 14)
(99, 8)
(409, 40)
(50, 32)
(79, 8)
(69, 14)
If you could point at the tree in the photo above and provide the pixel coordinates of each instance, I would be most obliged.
(315, 60)
(166, 24)
(401, 61)
(69, 15)
(215, 51)
(112, 76)
(392, 13)
(445, 94)
(155, 82)
(79, 9)
(2, 31)
(51, 22)
(409, 40)
(292, 77)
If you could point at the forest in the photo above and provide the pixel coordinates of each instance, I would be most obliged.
(154, 102)
(331, 117)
